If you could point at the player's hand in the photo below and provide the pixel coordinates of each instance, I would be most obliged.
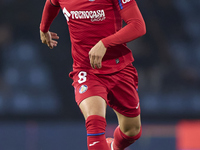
(96, 54)
(48, 38)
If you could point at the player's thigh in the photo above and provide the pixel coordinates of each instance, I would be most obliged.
(90, 93)
(129, 125)
(94, 105)
(124, 97)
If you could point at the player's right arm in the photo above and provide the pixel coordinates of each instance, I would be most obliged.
(51, 10)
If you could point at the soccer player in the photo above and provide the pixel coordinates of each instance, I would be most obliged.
(103, 73)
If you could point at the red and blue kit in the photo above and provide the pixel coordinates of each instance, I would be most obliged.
(90, 21)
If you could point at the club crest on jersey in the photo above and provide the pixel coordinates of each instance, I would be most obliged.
(95, 15)
(83, 89)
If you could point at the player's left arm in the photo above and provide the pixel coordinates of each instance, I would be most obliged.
(96, 55)
(135, 27)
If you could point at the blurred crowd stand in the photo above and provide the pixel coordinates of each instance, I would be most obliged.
(167, 59)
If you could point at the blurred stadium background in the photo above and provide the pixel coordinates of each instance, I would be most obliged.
(37, 107)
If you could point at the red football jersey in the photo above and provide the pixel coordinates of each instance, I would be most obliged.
(92, 20)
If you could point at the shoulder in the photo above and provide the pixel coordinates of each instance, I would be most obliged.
(123, 3)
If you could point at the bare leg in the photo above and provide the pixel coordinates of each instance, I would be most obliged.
(129, 125)
(128, 131)
(94, 105)
(94, 111)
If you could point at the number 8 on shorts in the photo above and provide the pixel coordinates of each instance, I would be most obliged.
(82, 77)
